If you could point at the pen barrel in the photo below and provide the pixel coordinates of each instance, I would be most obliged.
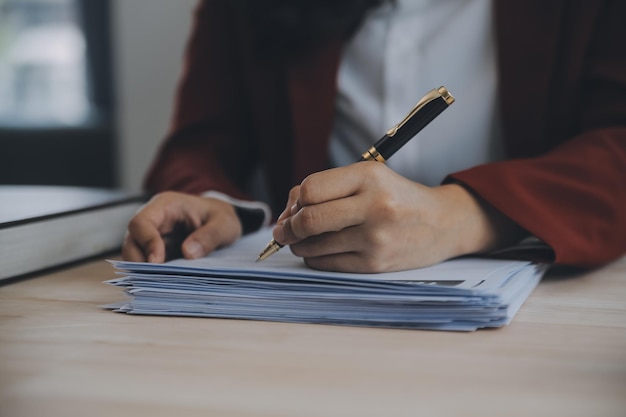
(388, 145)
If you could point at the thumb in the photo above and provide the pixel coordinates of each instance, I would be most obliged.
(213, 234)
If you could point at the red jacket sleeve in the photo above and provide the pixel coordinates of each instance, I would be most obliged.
(207, 147)
(574, 196)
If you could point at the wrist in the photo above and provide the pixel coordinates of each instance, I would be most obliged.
(252, 215)
(480, 226)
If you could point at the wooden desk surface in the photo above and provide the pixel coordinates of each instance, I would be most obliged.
(61, 355)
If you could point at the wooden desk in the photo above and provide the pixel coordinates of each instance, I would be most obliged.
(61, 355)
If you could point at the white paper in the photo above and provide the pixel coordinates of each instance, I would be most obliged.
(460, 294)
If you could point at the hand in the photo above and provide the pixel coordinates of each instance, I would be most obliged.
(202, 225)
(366, 218)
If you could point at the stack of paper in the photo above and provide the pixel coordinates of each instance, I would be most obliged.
(462, 294)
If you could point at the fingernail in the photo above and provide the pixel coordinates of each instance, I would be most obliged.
(295, 208)
(152, 258)
(194, 249)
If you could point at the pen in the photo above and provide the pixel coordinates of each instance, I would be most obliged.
(424, 112)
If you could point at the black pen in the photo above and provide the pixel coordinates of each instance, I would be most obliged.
(424, 112)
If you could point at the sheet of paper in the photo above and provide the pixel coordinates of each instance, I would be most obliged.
(460, 294)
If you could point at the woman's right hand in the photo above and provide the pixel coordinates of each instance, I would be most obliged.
(182, 224)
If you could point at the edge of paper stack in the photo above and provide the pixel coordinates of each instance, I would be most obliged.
(463, 294)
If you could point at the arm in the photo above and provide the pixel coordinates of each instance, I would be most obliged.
(565, 186)
(573, 197)
(209, 146)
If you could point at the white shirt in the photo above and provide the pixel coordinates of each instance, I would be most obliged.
(403, 50)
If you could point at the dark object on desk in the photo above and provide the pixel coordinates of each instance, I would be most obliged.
(47, 226)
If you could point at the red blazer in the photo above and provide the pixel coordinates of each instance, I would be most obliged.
(562, 75)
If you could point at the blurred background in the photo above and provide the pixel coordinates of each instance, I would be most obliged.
(87, 87)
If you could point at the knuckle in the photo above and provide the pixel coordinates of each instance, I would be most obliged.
(168, 199)
(134, 224)
(308, 191)
(389, 209)
(374, 172)
(294, 192)
(163, 197)
(308, 221)
(377, 240)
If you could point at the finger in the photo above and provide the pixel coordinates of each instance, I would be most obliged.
(337, 183)
(326, 186)
(346, 240)
(131, 251)
(321, 218)
(292, 204)
(345, 262)
(359, 262)
(218, 231)
(147, 239)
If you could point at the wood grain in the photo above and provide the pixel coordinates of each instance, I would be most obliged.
(62, 355)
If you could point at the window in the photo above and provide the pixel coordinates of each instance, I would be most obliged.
(56, 105)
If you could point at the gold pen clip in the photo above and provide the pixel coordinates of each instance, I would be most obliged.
(430, 96)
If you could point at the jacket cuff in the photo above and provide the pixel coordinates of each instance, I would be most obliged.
(253, 215)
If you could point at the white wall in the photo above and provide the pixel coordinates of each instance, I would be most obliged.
(149, 38)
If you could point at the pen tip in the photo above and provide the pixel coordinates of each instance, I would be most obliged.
(269, 250)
